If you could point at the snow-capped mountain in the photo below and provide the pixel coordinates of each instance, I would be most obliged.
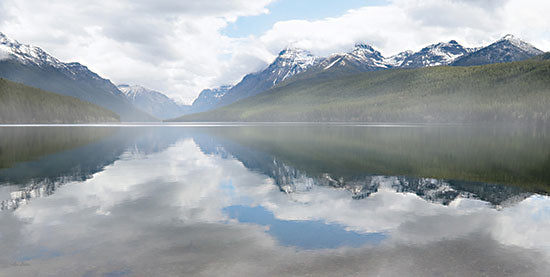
(289, 62)
(362, 58)
(34, 56)
(443, 53)
(507, 49)
(153, 102)
(26, 54)
(209, 98)
(397, 60)
(34, 67)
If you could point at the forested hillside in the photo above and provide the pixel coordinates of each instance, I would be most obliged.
(23, 104)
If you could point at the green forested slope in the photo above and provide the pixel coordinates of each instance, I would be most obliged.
(507, 92)
(23, 104)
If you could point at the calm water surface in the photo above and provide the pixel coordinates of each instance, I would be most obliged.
(274, 200)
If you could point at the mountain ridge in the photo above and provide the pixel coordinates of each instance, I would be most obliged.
(502, 92)
(507, 49)
(34, 67)
(362, 58)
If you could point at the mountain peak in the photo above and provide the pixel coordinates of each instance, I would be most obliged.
(509, 37)
(364, 52)
(517, 42)
(294, 53)
(442, 53)
(292, 50)
(363, 58)
(291, 61)
(5, 39)
(26, 53)
(451, 43)
(513, 40)
(507, 49)
(361, 45)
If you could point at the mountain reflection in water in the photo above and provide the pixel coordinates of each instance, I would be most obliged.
(229, 199)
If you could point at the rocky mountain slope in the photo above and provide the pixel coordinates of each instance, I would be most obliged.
(507, 49)
(289, 62)
(443, 53)
(34, 67)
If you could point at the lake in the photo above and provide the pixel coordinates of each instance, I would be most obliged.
(274, 200)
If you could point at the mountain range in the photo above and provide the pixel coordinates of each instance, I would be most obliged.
(511, 93)
(363, 58)
(34, 67)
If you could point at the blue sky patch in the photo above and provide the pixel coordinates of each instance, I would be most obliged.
(303, 234)
(293, 9)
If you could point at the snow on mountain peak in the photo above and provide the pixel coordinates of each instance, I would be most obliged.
(364, 51)
(26, 53)
(132, 91)
(397, 59)
(291, 61)
(362, 56)
(509, 37)
(364, 46)
(520, 44)
(442, 53)
(295, 56)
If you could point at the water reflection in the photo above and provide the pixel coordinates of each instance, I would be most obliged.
(51, 157)
(306, 234)
(230, 201)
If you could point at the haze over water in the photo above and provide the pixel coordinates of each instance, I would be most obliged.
(274, 200)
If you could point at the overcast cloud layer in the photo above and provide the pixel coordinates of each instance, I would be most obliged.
(178, 47)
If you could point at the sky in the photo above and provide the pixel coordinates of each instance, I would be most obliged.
(180, 47)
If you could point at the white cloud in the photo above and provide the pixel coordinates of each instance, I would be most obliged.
(413, 24)
(177, 46)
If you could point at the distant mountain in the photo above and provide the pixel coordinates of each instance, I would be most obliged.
(362, 58)
(289, 62)
(443, 53)
(23, 104)
(34, 67)
(507, 49)
(209, 98)
(153, 102)
(506, 93)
